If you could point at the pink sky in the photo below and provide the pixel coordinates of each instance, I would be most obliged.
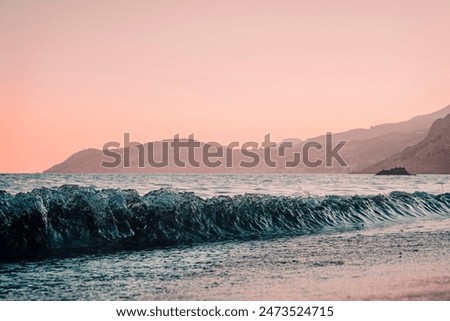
(76, 74)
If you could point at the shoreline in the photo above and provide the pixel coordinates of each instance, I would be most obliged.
(406, 261)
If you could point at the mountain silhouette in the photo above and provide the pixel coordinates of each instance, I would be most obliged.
(430, 156)
(364, 148)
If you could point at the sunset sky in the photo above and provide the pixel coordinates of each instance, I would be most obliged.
(76, 74)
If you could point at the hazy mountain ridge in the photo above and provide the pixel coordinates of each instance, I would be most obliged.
(417, 123)
(430, 156)
(364, 147)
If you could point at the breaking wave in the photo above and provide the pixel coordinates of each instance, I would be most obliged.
(71, 219)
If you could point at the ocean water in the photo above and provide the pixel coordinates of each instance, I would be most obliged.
(224, 237)
(213, 185)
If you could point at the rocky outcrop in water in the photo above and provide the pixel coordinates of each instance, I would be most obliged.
(394, 171)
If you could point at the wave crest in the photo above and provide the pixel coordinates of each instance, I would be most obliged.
(72, 219)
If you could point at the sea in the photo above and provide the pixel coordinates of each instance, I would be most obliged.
(224, 237)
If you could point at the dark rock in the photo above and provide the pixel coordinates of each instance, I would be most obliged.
(394, 171)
